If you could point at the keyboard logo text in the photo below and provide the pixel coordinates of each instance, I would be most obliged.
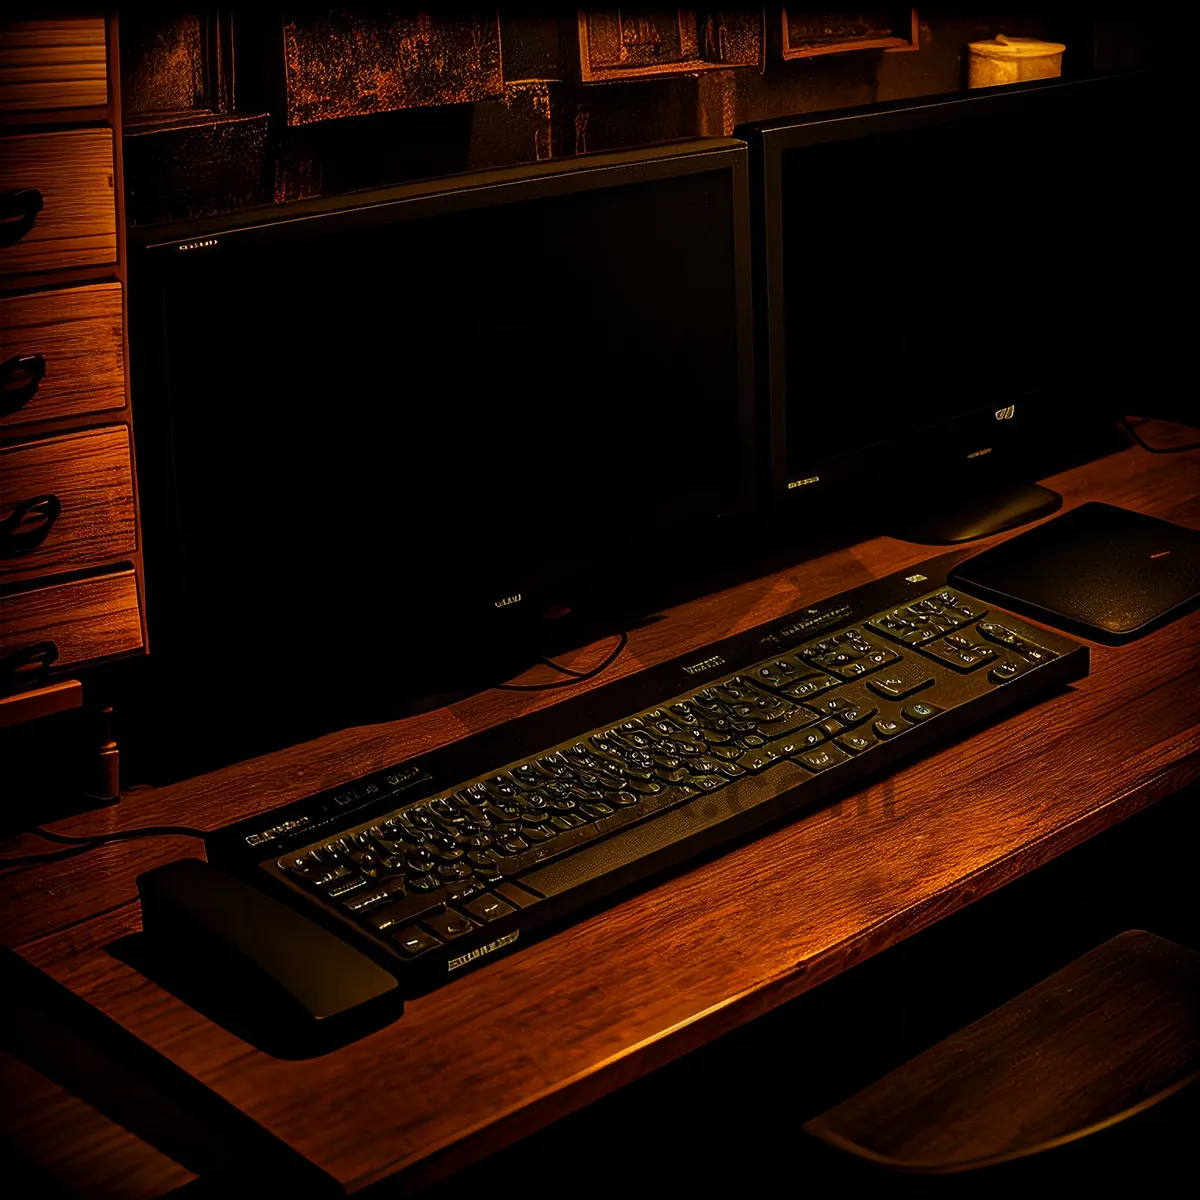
(472, 955)
(507, 601)
(705, 664)
(804, 482)
(1005, 414)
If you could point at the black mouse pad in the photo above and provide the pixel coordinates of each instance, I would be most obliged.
(1107, 573)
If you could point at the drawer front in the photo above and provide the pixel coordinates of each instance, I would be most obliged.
(62, 353)
(69, 174)
(88, 619)
(91, 519)
(53, 64)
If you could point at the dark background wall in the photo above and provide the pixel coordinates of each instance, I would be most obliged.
(228, 110)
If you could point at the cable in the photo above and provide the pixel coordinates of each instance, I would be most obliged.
(80, 845)
(575, 676)
(1133, 433)
(122, 835)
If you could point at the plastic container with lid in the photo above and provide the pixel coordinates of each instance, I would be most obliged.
(1012, 60)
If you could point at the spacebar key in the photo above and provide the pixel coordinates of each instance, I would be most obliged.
(665, 839)
(571, 839)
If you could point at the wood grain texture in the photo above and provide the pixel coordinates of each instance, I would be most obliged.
(92, 476)
(87, 619)
(55, 63)
(73, 169)
(1104, 1038)
(80, 332)
(40, 702)
(80, 1149)
(500, 1053)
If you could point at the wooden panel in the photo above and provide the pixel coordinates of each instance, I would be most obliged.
(76, 1147)
(343, 64)
(806, 33)
(73, 170)
(92, 477)
(1102, 1039)
(87, 619)
(80, 333)
(57, 63)
(619, 45)
(500, 1053)
(45, 701)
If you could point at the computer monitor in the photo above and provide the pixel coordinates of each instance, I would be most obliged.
(944, 290)
(392, 423)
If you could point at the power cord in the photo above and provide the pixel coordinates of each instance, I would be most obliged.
(81, 845)
(1131, 430)
(574, 676)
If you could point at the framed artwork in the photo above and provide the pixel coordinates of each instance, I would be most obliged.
(806, 34)
(623, 44)
(348, 64)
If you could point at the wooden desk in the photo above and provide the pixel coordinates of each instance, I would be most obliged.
(506, 1050)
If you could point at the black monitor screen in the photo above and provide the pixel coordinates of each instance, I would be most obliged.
(963, 265)
(450, 410)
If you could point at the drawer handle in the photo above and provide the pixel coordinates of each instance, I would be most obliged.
(20, 377)
(26, 666)
(18, 211)
(25, 528)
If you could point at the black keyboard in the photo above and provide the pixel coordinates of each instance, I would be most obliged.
(438, 863)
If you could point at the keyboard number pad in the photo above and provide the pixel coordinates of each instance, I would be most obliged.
(849, 654)
(960, 651)
(927, 619)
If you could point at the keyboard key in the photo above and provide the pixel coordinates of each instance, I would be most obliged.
(1000, 634)
(885, 727)
(898, 682)
(1035, 654)
(823, 757)
(449, 925)
(413, 941)
(1008, 669)
(828, 706)
(800, 742)
(921, 711)
(403, 912)
(856, 714)
(488, 907)
(755, 761)
(858, 741)
(811, 687)
(780, 673)
(960, 653)
(420, 861)
(1003, 636)
(798, 718)
(516, 896)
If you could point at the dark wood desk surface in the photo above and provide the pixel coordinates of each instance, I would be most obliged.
(506, 1050)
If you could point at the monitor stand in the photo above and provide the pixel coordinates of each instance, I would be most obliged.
(971, 509)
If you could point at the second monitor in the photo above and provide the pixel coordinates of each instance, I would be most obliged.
(943, 292)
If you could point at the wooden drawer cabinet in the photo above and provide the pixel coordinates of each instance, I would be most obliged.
(63, 184)
(88, 619)
(70, 554)
(91, 520)
(62, 353)
(53, 64)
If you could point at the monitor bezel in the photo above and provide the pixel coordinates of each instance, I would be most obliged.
(984, 434)
(154, 250)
